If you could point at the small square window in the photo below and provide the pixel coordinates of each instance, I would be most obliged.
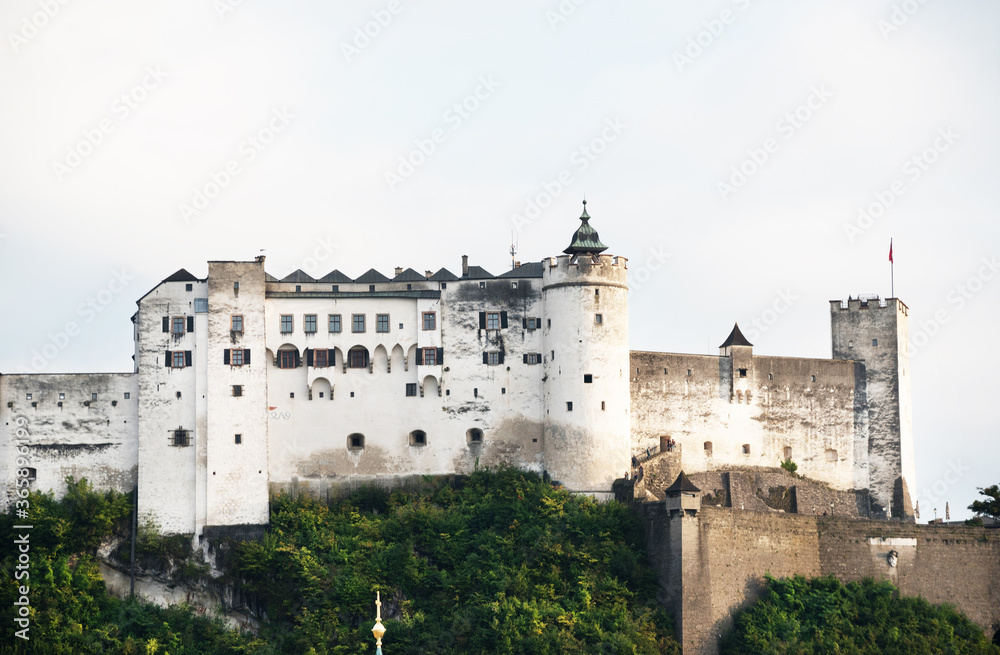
(411, 388)
(62, 396)
(93, 396)
(482, 285)
(588, 378)
(237, 389)
(874, 342)
(689, 372)
(770, 376)
(335, 288)
(236, 288)
(381, 322)
(298, 287)
(236, 323)
(188, 287)
(743, 372)
(532, 324)
(602, 405)
(27, 396)
(813, 377)
(180, 438)
(286, 323)
(513, 285)
(352, 394)
(548, 322)
(356, 441)
(409, 287)
(310, 324)
(371, 288)
(598, 318)
(238, 439)
(178, 394)
(357, 323)
(291, 394)
(430, 320)
(334, 322)
(503, 391)
(444, 285)
(569, 406)
(127, 395)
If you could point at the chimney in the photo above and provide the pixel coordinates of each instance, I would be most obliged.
(517, 264)
(428, 274)
(399, 269)
(465, 266)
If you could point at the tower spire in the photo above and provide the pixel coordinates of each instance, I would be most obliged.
(585, 239)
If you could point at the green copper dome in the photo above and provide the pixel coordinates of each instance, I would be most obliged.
(585, 239)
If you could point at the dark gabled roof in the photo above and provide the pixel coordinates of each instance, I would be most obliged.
(585, 239)
(478, 273)
(409, 275)
(531, 269)
(682, 485)
(735, 338)
(270, 278)
(336, 277)
(371, 276)
(298, 276)
(181, 276)
(443, 275)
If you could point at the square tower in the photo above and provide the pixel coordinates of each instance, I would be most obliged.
(876, 331)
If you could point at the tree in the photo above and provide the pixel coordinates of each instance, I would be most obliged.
(989, 507)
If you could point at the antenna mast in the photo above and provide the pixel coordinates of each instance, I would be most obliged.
(513, 250)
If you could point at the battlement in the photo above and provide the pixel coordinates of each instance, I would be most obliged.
(869, 302)
(574, 261)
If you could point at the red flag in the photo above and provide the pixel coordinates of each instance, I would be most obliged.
(890, 250)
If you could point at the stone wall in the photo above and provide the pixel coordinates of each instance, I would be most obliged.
(712, 565)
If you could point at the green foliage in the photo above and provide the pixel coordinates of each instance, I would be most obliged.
(991, 506)
(503, 564)
(499, 563)
(820, 616)
(789, 465)
(70, 612)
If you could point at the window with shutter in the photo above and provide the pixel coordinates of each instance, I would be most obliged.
(166, 324)
(309, 357)
(482, 320)
(440, 356)
(225, 356)
(503, 320)
(190, 323)
(419, 357)
(167, 360)
(246, 356)
(187, 358)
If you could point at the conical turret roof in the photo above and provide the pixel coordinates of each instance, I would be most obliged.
(585, 239)
(682, 485)
(735, 338)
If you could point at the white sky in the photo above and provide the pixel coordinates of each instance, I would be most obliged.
(550, 82)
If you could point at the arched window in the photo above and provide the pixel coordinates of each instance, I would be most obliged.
(708, 447)
(357, 357)
(474, 435)
(356, 441)
(831, 455)
(788, 452)
(418, 438)
(746, 449)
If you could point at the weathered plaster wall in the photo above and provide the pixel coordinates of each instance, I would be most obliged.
(60, 429)
(784, 406)
(167, 479)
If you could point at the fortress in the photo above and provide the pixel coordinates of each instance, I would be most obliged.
(245, 383)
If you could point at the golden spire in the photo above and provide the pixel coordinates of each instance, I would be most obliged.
(378, 629)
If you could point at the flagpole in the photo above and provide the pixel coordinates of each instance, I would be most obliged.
(892, 272)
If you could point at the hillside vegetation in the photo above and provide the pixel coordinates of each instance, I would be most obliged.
(796, 616)
(501, 563)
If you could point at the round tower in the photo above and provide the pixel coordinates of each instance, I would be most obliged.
(586, 364)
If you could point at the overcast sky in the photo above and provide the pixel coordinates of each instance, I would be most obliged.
(727, 148)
